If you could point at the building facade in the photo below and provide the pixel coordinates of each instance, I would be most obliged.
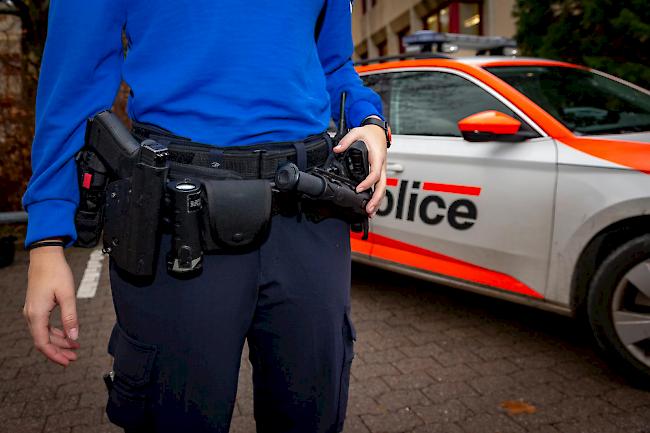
(378, 26)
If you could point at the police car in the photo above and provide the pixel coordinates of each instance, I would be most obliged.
(524, 179)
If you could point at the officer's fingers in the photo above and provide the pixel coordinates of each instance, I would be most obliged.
(373, 178)
(57, 331)
(65, 296)
(377, 196)
(38, 326)
(69, 354)
(63, 343)
(377, 167)
(347, 140)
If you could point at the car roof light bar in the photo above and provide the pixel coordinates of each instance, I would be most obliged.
(427, 40)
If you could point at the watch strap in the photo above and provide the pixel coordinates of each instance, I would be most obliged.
(382, 124)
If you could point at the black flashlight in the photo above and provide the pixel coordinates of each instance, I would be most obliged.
(186, 254)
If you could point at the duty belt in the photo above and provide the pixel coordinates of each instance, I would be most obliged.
(259, 161)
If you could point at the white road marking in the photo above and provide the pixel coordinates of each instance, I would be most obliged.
(90, 279)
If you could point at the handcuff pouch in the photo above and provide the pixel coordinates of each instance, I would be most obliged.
(237, 213)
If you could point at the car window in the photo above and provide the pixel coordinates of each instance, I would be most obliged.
(380, 83)
(585, 102)
(432, 102)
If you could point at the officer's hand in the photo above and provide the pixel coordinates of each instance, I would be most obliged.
(50, 282)
(375, 139)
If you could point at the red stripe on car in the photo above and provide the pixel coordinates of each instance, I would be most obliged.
(454, 189)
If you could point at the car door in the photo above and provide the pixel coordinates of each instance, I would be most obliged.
(462, 212)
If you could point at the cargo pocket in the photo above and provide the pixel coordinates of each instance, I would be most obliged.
(129, 386)
(349, 337)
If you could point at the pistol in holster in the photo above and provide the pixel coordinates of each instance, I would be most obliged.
(128, 190)
(121, 184)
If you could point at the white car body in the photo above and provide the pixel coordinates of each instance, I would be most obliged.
(538, 203)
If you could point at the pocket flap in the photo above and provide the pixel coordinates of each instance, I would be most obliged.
(133, 360)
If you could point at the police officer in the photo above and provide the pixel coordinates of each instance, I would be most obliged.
(225, 73)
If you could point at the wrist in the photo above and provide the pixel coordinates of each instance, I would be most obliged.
(374, 120)
(45, 254)
(47, 245)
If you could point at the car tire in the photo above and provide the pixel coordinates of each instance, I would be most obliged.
(615, 305)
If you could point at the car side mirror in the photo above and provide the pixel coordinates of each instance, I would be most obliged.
(491, 126)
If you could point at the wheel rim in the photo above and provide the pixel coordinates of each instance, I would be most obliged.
(631, 311)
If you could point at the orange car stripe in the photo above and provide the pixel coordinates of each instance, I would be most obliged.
(416, 257)
(626, 153)
(360, 246)
(532, 62)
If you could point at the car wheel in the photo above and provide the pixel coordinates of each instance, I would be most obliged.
(618, 307)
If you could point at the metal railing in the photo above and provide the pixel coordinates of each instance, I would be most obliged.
(13, 217)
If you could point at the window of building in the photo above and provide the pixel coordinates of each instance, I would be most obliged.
(469, 18)
(363, 6)
(443, 20)
(382, 48)
(400, 35)
(431, 23)
(362, 50)
(456, 17)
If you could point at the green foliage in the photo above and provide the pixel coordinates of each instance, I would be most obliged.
(610, 35)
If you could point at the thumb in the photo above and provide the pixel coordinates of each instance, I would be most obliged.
(68, 304)
(348, 139)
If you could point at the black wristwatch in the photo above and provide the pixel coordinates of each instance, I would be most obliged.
(383, 125)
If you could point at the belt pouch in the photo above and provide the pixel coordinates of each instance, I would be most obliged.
(132, 220)
(238, 212)
(89, 220)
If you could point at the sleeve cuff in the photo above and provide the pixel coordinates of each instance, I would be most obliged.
(51, 218)
(358, 112)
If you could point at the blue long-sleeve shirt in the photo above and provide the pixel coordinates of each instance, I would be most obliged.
(225, 72)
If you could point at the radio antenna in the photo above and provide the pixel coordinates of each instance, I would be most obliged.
(342, 127)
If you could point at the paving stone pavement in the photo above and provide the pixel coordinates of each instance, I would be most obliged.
(428, 359)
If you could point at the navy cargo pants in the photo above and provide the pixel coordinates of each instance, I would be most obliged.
(177, 343)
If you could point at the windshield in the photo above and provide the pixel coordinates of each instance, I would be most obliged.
(585, 102)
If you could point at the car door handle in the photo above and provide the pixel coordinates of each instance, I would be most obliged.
(394, 168)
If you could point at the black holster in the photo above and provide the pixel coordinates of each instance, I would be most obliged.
(132, 219)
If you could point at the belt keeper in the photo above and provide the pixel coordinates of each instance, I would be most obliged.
(301, 155)
(260, 157)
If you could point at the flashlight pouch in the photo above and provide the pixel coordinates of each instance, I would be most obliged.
(236, 213)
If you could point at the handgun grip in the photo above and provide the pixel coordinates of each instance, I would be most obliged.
(107, 136)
